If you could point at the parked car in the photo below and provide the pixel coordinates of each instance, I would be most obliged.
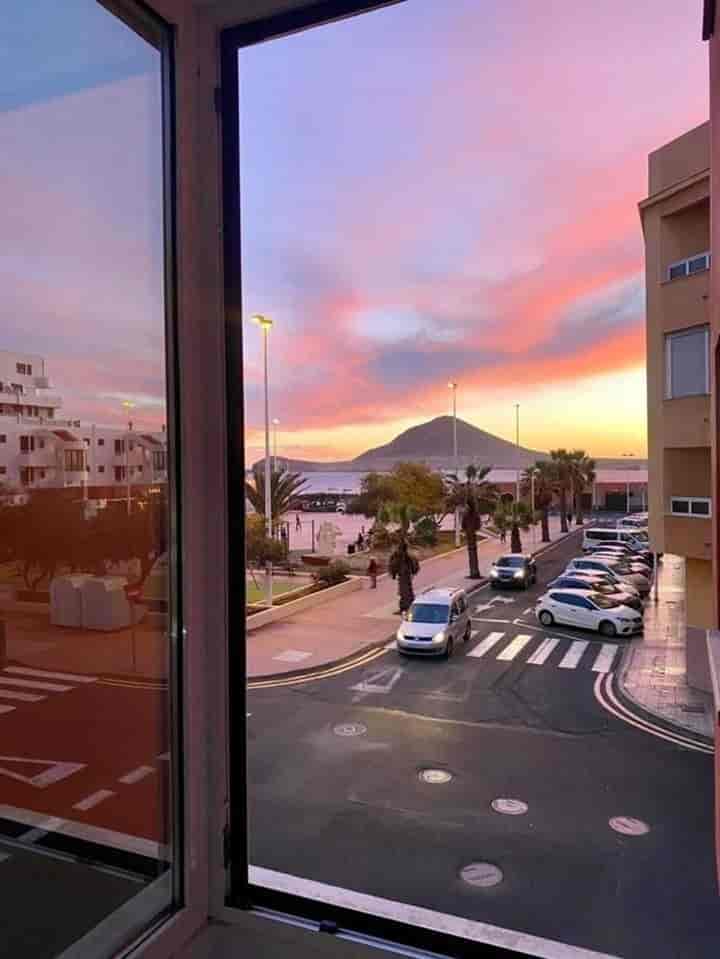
(624, 549)
(607, 577)
(601, 564)
(515, 569)
(437, 620)
(598, 535)
(621, 593)
(625, 563)
(636, 521)
(588, 611)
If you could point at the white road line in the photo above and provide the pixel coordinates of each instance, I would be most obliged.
(136, 775)
(603, 662)
(21, 697)
(94, 799)
(543, 651)
(528, 610)
(490, 640)
(573, 656)
(6, 709)
(513, 648)
(40, 673)
(33, 684)
(292, 656)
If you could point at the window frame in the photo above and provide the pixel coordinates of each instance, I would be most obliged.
(670, 337)
(690, 501)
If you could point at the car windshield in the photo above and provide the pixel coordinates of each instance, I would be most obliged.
(604, 602)
(513, 561)
(428, 613)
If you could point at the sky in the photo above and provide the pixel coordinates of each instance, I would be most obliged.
(436, 192)
(432, 191)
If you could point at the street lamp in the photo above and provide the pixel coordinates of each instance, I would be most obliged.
(533, 474)
(627, 487)
(275, 423)
(265, 324)
(453, 386)
(128, 405)
(517, 443)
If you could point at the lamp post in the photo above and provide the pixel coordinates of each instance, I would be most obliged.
(627, 488)
(265, 324)
(517, 443)
(453, 386)
(532, 502)
(275, 423)
(128, 406)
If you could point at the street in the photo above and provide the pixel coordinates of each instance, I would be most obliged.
(381, 779)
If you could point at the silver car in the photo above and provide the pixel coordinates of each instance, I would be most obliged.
(435, 623)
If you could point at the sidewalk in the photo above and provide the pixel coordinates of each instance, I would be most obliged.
(345, 627)
(653, 671)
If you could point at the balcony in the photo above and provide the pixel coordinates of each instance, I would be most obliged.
(685, 301)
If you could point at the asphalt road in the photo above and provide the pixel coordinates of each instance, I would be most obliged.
(504, 721)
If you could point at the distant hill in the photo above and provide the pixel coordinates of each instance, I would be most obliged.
(432, 443)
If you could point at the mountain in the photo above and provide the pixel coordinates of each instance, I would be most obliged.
(432, 443)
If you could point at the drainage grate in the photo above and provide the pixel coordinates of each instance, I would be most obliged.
(482, 874)
(629, 826)
(435, 776)
(510, 807)
(350, 729)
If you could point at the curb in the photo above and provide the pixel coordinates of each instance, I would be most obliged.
(642, 712)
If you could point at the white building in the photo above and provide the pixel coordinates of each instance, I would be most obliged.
(40, 450)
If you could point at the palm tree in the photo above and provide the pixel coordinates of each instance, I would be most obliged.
(582, 469)
(513, 516)
(402, 564)
(563, 482)
(545, 485)
(284, 487)
(473, 498)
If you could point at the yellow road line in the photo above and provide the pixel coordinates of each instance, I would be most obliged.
(326, 673)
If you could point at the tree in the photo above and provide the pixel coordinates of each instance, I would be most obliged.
(544, 485)
(473, 497)
(284, 487)
(376, 489)
(402, 564)
(563, 482)
(116, 536)
(513, 516)
(420, 488)
(260, 548)
(582, 470)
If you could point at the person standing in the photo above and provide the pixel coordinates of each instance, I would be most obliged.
(298, 523)
(372, 572)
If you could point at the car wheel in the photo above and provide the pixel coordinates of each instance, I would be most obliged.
(467, 633)
(607, 628)
(449, 648)
(546, 618)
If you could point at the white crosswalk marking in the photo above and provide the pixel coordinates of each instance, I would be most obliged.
(573, 656)
(44, 674)
(543, 651)
(513, 648)
(32, 684)
(604, 660)
(490, 640)
(21, 697)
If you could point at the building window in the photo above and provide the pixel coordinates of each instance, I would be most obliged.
(693, 264)
(74, 460)
(27, 444)
(42, 474)
(20, 368)
(687, 365)
(86, 441)
(41, 444)
(101, 442)
(3, 438)
(16, 387)
(119, 474)
(3, 470)
(119, 447)
(101, 469)
(159, 460)
(691, 506)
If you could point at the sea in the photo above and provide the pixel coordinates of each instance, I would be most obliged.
(332, 482)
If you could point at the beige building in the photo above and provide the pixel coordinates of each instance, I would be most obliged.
(676, 225)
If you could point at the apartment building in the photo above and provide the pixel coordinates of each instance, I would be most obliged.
(676, 225)
(40, 450)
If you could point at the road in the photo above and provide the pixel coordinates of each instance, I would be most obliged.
(338, 793)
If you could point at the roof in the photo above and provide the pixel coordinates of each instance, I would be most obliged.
(439, 592)
(66, 436)
(150, 439)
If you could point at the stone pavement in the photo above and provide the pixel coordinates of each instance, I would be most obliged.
(344, 627)
(653, 672)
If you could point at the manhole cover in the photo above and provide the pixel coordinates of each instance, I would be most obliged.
(629, 826)
(510, 807)
(350, 729)
(484, 874)
(435, 776)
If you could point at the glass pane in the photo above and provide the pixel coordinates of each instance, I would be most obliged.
(443, 257)
(680, 506)
(85, 788)
(700, 507)
(688, 363)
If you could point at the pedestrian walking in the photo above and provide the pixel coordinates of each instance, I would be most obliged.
(298, 523)
(503, 535)
(372, 572)
(284, 538)
(360, 541)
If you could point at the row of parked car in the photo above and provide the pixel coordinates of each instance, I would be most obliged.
(603, 589)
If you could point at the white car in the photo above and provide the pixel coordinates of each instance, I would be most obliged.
(624, 563)
(606, 577)
(598, 564)
(572, 607)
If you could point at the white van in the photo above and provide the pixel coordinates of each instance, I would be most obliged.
(592, 538)
(635, 521)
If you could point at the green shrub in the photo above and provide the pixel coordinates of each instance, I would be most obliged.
(332, 574)
(425, 532)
